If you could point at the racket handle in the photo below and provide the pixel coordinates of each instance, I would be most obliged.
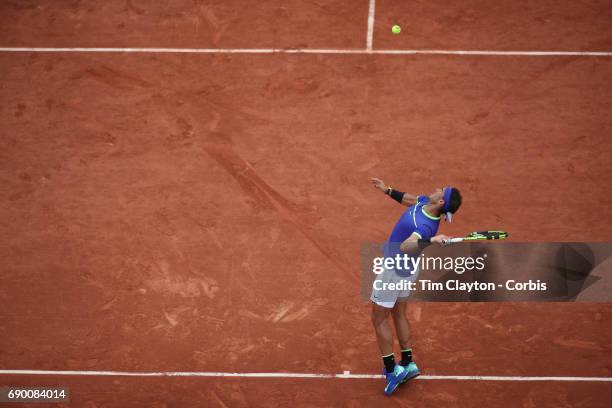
(452, 241)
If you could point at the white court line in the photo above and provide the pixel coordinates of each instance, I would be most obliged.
(309, 51)
(345, 375)
(371, 12)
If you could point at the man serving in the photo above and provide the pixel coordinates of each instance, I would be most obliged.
(416, 228)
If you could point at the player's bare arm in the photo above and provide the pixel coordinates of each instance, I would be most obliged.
(411, 244)
(407, 199)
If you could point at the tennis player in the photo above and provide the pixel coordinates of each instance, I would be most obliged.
(416, 228)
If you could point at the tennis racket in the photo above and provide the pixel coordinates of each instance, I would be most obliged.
(479, 236)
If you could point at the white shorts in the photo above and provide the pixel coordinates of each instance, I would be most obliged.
(389, 287)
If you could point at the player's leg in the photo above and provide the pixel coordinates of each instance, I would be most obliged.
(384, 335)
(383, 300)
(402, 328)
(401, 324)
(395, 374)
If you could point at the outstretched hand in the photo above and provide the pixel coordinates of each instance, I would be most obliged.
(379, 184)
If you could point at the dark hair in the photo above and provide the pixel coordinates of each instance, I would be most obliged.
(455, 200)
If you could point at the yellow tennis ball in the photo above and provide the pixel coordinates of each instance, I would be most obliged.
(396, 29)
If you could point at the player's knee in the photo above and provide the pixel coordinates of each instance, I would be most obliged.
(375, 320)
(379, 315)
(399, 309)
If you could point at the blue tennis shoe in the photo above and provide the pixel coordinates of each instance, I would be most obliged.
(412, 370)
(395, 378)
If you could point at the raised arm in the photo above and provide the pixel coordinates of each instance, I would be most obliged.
(406, 199)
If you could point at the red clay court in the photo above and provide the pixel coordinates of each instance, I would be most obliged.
(185, 190)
